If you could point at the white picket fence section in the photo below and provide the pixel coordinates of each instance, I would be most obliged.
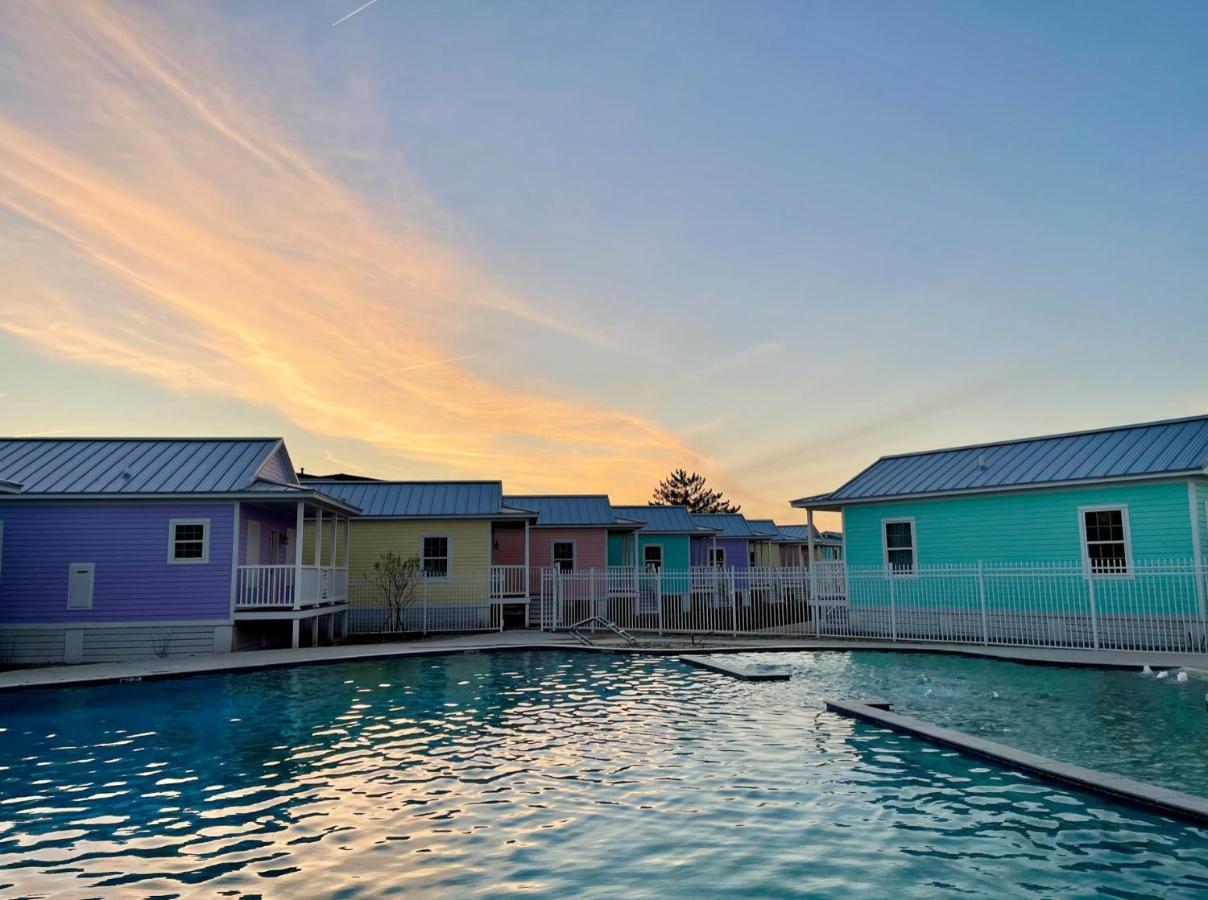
(1154, 606)
(456, 603)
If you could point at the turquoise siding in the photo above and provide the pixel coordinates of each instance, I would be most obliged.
(1201, 515)
(1040, 526)
(675, 549)
(676, 556)
(1024, 526)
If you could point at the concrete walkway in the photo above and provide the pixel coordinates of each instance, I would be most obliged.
(100, 673)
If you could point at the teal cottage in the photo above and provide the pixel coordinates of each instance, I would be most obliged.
(1106, 512)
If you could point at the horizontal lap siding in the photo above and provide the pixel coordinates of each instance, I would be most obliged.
(591, 547)
(469, 547)
(737, 553)
(1201, 514)
(283, 521)
(128, 544)
(676, 552)
(113, 644)
(1023, 526)
(508, 546)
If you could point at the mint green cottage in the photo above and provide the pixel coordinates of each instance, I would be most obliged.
(663, 541)
(1118, 516)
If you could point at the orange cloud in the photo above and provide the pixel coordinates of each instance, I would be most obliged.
(167, 228)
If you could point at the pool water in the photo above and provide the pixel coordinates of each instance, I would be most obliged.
(1149, 728)
(548, 774)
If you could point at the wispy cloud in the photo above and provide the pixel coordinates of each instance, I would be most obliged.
(166, 227)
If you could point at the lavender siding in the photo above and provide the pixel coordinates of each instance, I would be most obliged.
(737, 552)
(282, 521)
(128, 543)
(276, 468)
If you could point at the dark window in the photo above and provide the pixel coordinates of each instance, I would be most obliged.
(189, 541)
(1106, 548)
(717, 557)
(436, 557)
(652, 556)
(899, 547)
(564, 556)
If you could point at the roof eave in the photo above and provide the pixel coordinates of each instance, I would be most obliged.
(835, 505)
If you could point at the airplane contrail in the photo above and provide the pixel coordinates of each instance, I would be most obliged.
(427, 365)
(363, 6)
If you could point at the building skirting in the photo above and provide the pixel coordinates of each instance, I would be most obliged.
(41, 644)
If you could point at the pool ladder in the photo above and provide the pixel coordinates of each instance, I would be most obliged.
(576, 631)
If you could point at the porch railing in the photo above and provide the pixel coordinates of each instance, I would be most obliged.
(289, 587)
(508, 581)
(1153, 606)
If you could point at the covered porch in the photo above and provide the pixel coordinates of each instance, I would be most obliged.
(292, 565)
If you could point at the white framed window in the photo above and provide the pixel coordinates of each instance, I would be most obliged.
(1106, 540)
(80, 577)
(562, 555)
(901, 552)
(652, 557)
(188, 541)
(434, 555)
(717, 557)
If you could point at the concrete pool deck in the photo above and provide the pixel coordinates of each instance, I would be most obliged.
(1139, 793)
(101, 673)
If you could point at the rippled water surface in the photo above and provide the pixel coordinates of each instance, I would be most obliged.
(554, 775)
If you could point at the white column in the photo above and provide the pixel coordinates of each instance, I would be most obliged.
(298, 529)
(809, 540)
(527, 592)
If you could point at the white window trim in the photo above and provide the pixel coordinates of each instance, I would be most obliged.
(1128, 555)
(205, 542)
(714, 554)
(448, 557)
(914, 547)
(662, 555)
(91, 567)
(574, 552)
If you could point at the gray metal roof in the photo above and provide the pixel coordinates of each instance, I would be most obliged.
(1176, 446)
(419, 499)
(729, 525)
(766, 528)
(799, 534)
(133, 466)
(568, 511)
(659, 519)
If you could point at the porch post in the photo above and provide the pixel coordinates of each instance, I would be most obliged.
(298, 530)
(294, 642)
(809, 539)
(527, 586)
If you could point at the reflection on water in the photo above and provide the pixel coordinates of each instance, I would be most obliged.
(552, 774)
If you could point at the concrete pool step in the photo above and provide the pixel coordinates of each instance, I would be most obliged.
(1153, 797)
(757, 672)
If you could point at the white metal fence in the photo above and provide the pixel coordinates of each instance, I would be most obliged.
(454, 603)
(1153, 606)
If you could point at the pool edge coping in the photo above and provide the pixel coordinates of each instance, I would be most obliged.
(63, 676)
(1152, 797)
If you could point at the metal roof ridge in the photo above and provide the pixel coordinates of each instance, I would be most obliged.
(1040, 437)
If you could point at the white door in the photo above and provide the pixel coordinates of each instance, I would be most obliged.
(253, 543)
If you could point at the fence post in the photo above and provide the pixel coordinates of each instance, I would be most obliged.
(981, 595)
(734, 602)
(424, 600)
(893, 605)
(658, 597)
(1090, 585)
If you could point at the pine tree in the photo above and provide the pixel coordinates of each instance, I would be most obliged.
(681, 489)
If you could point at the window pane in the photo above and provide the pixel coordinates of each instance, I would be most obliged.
(898, 534)
(901, 560)
(436, 556)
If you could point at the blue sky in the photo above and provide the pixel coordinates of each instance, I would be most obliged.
(770, 241)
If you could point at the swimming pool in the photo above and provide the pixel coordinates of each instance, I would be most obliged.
(552, 774)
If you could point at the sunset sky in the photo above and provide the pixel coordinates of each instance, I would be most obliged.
(575, 245)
